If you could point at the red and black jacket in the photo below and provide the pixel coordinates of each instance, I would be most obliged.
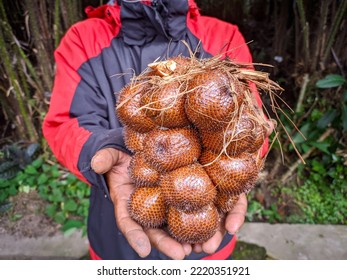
(91, 61)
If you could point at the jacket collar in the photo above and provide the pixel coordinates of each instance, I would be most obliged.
(142, 22)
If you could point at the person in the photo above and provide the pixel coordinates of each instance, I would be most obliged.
(96, 58)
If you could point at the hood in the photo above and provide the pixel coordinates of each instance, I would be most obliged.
(141, 21)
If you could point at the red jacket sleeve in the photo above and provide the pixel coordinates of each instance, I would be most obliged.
(75, 127)
(63, 133)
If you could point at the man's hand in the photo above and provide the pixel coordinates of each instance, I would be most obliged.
(114, 164)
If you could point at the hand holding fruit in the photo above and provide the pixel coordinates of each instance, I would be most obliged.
(114, 164)
(196, 134)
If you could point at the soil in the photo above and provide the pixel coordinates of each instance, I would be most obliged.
(27, 218)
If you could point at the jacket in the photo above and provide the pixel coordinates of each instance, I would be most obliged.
(96, 58)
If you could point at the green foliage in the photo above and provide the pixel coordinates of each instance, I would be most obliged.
(13, 158)
(322, 197)
(325, 114)
(331, 81)
(319, 193)
(318, 197)
(67, 197)
(257, 212)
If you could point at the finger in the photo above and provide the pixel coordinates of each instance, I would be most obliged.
(131, 230)
(119, 184)
(236, 217)
(187, 248)
(104, 160)
(197, 248)
(135, 236)
(211, 245)
(165, 244)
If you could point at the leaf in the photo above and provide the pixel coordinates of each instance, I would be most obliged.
(297, 138)
(72, 224)
(57, 195)
(331, 81)
(9, 174)
(59, 217)
(46, 167)
(323, 146)
(327, 118)
(69, 231)
(43, 178)
(37, 163)
(7, 165)
(55, 172)
(24, 189)
(305, 147)
(316, 114)
(70, 205)
(4, 184)
(71, 178)
(32, 148)
(54, 184)
(16, 217)
(31, 170)
(50, 210)
(31, 181)
(8, 169)
(12, 190)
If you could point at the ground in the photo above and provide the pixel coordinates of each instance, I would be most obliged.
(26, 217)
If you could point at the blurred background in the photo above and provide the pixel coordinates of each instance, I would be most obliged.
(305, 42)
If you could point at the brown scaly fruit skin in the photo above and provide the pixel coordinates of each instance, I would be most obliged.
(231, 176)
(167, 150)
(133, 140)
(188, 187)
(246, 135)
(259, 136)
(141, 172)
(193, 226)
(147, 207)
(165, 105)
(212, 101)
(225, 203)
(129, 113)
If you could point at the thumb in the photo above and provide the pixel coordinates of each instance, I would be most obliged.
(104, 160)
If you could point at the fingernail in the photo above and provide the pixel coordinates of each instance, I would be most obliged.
(94, 158)
(93, 162)
(142, 248)
(232, 231)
